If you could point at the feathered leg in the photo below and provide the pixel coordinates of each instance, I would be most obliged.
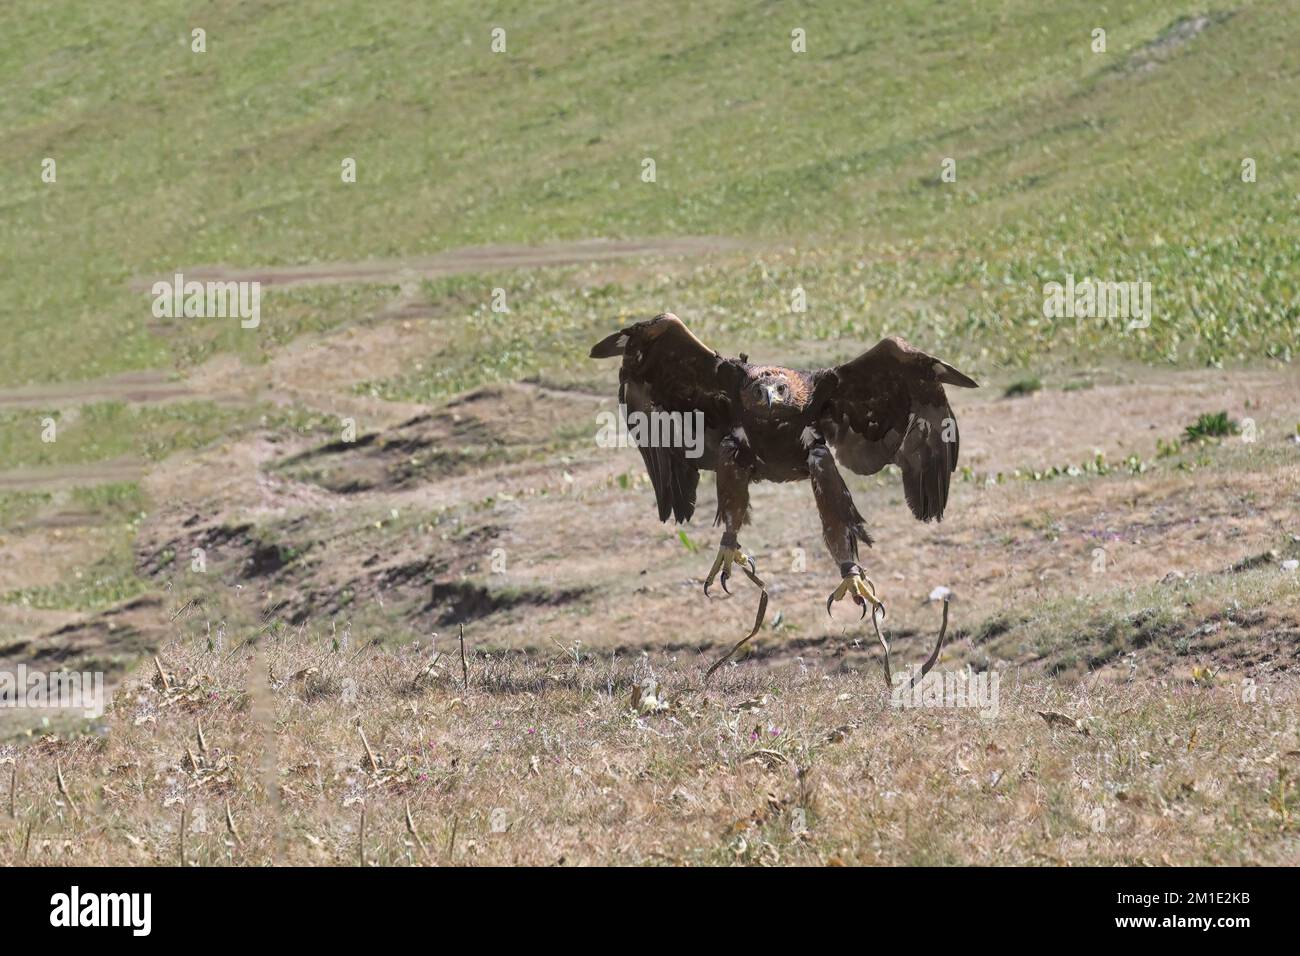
(735, 466)
(842, 527)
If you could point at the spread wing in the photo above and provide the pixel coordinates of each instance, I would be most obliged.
(666, 368)
(888, 406)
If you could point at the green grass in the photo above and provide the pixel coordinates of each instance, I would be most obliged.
(114, 510)
(285, 313)
(104, 582)
(1067, 162)
(1210, 425)
(109, 430)
(19, 506)
(121, 502)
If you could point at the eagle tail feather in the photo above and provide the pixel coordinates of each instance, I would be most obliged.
(675, 481)
(686, 479)
(925, 485)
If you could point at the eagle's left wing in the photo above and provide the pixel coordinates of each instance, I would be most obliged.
(887, 406)
(666, 368)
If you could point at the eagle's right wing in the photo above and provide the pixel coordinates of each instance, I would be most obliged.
(887, 406)
(666, 368)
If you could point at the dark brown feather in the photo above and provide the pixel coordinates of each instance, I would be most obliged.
(666, 368)
(888, 406)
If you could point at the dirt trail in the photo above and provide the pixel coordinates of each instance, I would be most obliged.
(132, 387)
(471, 259)
(72, 476)
(317, 371)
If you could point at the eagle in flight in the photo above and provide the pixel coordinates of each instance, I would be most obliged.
(769, 423)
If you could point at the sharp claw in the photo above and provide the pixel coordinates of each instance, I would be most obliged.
(862, 590)
(713, 573)
(723, 581)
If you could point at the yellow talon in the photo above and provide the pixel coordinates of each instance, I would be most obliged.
(863, 591)
(723, 562)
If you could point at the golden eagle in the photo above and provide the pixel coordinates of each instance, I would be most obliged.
(769, 423)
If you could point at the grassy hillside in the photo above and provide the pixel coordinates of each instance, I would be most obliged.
(1124, 164)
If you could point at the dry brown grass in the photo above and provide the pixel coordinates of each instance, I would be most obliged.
(551, 750)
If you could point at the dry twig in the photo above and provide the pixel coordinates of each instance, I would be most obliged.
(63, 787)
(464, 667)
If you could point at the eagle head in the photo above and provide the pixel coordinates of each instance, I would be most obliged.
(774, 392)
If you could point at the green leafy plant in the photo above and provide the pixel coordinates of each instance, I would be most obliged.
(1207, 426)
(1022, 387)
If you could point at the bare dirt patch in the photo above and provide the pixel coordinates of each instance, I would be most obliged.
(318, 371)
(1058, 427)
(41, 555)
(486, 426)
(109, 641)
(501, 493)
(495, 509)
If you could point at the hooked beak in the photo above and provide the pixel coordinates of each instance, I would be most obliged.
(770, 395)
